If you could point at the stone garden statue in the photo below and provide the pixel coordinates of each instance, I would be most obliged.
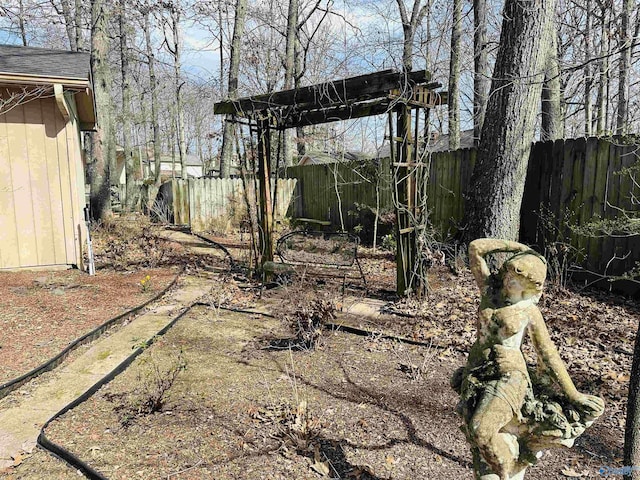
(511, 413)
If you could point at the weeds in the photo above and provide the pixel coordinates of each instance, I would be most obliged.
(124, 243)
(561, 256)
(308, 319)
(153, 385)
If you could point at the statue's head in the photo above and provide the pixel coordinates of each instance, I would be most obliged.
(523, 276)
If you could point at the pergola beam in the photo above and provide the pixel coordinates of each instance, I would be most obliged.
(328, 94)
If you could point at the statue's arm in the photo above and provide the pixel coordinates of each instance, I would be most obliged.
(480, 248)
(548, 355)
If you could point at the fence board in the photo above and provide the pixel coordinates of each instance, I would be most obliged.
(571, 178)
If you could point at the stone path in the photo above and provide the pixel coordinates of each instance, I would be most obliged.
(20, 424)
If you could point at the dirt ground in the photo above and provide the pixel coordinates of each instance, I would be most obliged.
(42, 312)
(356, 407)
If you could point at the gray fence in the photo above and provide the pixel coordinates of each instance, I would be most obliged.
(216, 203)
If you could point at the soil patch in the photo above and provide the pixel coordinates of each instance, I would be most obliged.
(348, 409)
(42, 312)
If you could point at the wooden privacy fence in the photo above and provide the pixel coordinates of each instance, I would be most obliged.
(568, 181)
(204, 203)
(334, 191)
(571, 180)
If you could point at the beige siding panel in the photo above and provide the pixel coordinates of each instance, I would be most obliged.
(9, 244)
(39, 177)
(49, 110)
(65, 187)
(18, 157)
(73, 147)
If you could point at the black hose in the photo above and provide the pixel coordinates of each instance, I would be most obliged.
(11, 385)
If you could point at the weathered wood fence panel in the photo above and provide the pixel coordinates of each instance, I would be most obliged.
(213, 200)
(336, 191)
(568, 181)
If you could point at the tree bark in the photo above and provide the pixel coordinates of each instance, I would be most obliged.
(454, 77)
(126, 108)
(632, 425)
(552, 116)
(103, 145)
(497, 182)
(480, 66)
(624, 66)
(153, 86)
(69, 22)
(226, 156)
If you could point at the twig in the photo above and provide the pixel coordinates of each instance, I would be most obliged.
(185, 470)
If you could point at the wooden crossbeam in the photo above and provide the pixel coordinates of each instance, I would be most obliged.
(326, 115)
(323, 95)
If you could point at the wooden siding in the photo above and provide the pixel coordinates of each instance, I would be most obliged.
(41, 186)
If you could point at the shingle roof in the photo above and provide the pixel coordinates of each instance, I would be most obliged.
(44, 62)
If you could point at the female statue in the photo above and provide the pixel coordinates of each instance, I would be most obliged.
(510, 413)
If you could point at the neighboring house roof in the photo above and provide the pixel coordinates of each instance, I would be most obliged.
(43, 62)
(439, 143)
(323, 158)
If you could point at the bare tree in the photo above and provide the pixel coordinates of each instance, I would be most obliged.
(552, 115)
(497, 183)
(226, 155)
(454, 77)
(103, 146)
(624, 66)
(174, 47)
(126, 104)
(480, 66)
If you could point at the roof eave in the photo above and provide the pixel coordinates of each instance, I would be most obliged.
(27, 79)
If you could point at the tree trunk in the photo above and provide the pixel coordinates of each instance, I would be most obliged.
(177, 66)
(22, 23)
(552, 117)
(69, 23)
(153, 86)
(126, 109)
(632, 426)
(623, 69)
(454, 77)
(103, 148)
(480, 67)
(603, 77)
(588, 79)
(497, 182)
(78, 25)
(226, 156)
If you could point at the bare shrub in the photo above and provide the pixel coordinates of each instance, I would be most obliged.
(308, 318)
(123, 243)
(151, 392)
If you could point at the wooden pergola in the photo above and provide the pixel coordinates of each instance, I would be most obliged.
(404, 95)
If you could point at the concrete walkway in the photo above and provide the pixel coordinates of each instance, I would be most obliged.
(20, 425)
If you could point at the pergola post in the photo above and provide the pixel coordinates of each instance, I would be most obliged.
(264, 180)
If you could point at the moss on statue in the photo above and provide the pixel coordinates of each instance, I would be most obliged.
(511, 413)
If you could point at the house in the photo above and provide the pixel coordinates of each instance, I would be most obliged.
(46, 100)
(170, 168)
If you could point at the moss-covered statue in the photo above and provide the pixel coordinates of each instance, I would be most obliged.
(511, 414)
